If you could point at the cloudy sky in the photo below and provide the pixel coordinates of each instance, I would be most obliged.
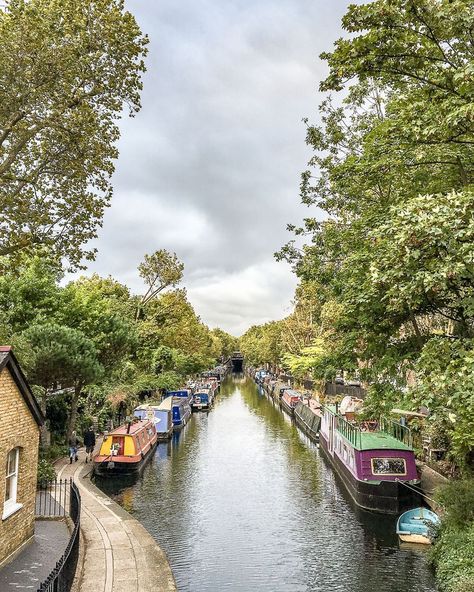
(210, 167)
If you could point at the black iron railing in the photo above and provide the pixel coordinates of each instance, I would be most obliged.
(61, 498)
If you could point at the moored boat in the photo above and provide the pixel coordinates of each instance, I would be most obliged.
(289, 400)
(308, 418)
(374, 459)
(160, 417)
(125, 450)
(180, 410)
(417, 526)
(185, 393)
(202, 399)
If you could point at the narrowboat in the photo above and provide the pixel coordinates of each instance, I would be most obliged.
(182, 394)
(308, 418)
(289, 400)
(126, 449)
(180, 410)
(417, 526)
(160, 417)
(374, 459)
(202, 399)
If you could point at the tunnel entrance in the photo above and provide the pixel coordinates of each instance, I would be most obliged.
(237, 361)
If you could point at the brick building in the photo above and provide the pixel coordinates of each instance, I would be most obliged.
(20, 421)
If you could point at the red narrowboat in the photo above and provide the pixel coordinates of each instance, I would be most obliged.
(126, 449)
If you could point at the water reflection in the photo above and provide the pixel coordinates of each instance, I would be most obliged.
(241, 501)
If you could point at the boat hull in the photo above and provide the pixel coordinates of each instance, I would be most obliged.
(308, 422)
(163, 436)
(287, 408)
(113, 467)
(418, 539)
(386, 497)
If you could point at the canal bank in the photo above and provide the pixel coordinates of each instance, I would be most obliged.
(117, 552)
(241, 501)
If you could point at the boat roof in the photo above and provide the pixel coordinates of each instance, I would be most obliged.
(166, 404)
(292, 393)
(376, 440)
(146, 406)
(380, 441)
(134, 428)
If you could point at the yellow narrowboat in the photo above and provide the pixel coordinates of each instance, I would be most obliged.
(126, 449)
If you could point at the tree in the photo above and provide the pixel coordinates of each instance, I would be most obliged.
(103, 310)
(160, 270)
(67, 71)
(62, 358)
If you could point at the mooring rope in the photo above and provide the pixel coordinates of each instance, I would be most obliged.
(417, 490)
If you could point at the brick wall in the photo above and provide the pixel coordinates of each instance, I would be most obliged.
(18, 428)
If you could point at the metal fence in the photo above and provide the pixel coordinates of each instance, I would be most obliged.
(333, 389)
(57, 499)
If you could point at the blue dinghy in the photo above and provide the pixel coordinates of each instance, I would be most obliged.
(415, 525)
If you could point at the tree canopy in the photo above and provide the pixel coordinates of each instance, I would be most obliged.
(68, 70)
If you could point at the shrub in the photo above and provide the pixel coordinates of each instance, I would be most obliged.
(46, 472)
(453, 552)
(457, 499)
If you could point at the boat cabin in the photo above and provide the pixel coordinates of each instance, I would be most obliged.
(179, 409)
(160, 417)
(125, 449)
(291, 397)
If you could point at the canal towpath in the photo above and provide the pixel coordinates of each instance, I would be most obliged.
(118, 554)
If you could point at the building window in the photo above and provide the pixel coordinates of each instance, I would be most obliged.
(11, 483)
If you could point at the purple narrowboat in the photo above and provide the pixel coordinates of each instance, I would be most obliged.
(374, 459)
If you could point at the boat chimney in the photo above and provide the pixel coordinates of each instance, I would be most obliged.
(337, 407)
(128, 427)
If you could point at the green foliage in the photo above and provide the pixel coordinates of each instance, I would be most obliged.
(453, 557)
(392, 168)
(159, 271)
(453, 553)
(46, 472)
(67, 71)
(307, 361)
(457, 501)
(61, 356)
(262, 344)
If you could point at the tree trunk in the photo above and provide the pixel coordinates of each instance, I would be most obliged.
(45, 436)
(73, 413)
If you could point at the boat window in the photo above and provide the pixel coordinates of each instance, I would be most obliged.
(389, 466)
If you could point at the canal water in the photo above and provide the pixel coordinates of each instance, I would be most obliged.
(241, 501)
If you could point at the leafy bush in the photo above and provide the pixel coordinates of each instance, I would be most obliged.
(46, 472)
(453, 553)
(457, 498)
(453, 556)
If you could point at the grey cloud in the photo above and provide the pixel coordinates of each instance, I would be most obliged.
(210, 167)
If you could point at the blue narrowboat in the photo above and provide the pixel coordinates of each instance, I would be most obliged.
(202, 399)
(182, 394)
(180, 410)
(160, 417)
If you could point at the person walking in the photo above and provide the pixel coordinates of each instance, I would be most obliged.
(73, 445)
(89, 443)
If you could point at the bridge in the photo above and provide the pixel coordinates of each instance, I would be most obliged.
(236, 361)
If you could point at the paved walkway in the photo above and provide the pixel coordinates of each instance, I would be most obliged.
(34, 564)
(120, 555)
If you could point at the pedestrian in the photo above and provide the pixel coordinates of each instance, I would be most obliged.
(73, 445)
(89, 443)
